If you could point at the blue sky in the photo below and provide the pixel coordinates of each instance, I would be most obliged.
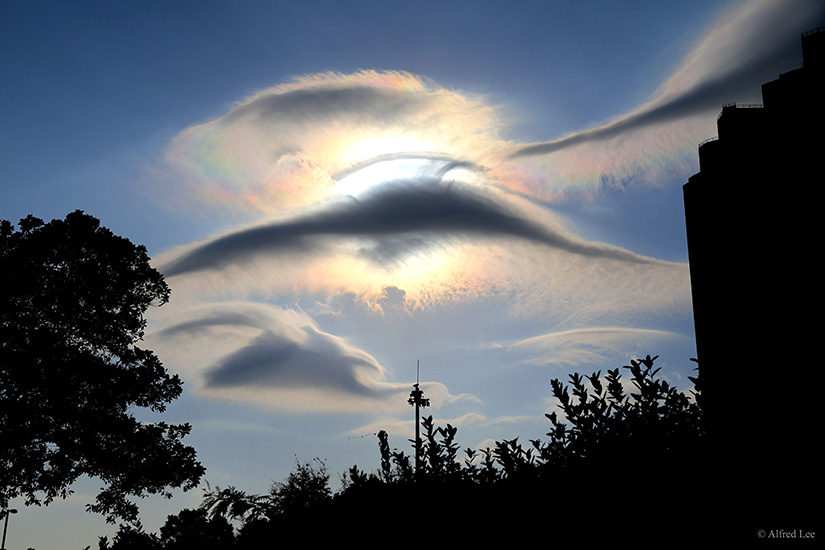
(338, 190)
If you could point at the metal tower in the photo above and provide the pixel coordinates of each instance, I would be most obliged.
(418, 401)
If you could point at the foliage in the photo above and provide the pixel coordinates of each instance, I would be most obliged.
(194, 529)
(601, 425)
(234, 504)
(189, 529)
(306, 486)
(608, 425)
(305, 490)
(607, 447)
(130, 538)
(72, 309)
(71, 315)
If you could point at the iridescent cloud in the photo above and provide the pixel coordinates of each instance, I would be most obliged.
(285, 147)
(356, 183)
(289, 146)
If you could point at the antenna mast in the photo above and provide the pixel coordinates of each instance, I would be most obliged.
(417, 400)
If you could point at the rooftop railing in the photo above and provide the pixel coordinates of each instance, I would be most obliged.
(708, 140)
(734, 105)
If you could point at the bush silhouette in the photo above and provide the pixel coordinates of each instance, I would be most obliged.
(187, 530)
(608, 446)
(607, 473)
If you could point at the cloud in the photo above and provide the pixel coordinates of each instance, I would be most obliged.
(751, 44)
(284, 147)
(272, 361)
(278, 358)
(288, 146)
(438, 242)
(587, 346)
(353, 184)
(406, 428)
(399, 218)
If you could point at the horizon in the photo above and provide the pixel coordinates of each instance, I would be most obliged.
(336, 198)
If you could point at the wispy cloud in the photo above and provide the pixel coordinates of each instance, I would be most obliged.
(587, 346)
(406, 428)
(751, 44)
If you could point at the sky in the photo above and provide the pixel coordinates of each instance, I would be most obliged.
(345, 196)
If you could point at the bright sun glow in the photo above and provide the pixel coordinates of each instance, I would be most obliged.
(403, 169)
(387, 158)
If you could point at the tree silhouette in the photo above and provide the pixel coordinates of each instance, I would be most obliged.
(306, 486)
(194, 529)
(605, 475)
(187, 530)
(608, 466)
(296, 500)
(234, 504)
(130, 538)
(72, 304)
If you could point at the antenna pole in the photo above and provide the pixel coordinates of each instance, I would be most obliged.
(417, 400)
(417, 422)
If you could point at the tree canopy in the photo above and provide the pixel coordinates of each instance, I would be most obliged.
(72, 307)
(619, 465)
(626, 462)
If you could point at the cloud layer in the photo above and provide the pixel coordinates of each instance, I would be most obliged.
(288, 146)
(360, 183)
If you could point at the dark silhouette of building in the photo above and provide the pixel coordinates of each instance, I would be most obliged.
(752, 231)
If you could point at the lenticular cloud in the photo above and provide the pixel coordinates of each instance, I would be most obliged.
(750, 45)
(276, 358)
(286, 147)
(425, 209)
(351, 184)
(283, 147)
